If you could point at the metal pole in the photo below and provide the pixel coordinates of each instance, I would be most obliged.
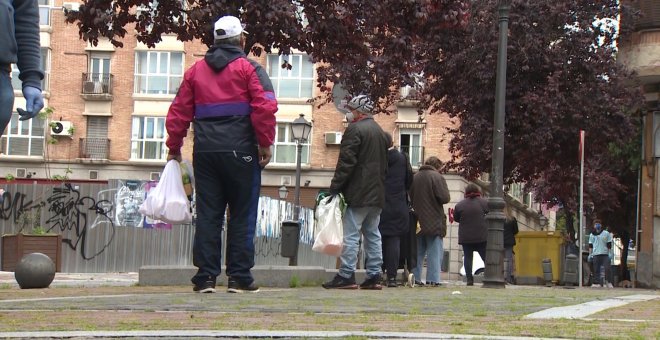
(494, 276)
(293, 261)
(581, 222)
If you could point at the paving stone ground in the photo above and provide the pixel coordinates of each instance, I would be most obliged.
(111, 305)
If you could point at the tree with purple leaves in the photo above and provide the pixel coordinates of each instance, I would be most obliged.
(562, 74)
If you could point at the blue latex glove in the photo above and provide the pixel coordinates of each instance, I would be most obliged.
(590, 258)
(34, 102)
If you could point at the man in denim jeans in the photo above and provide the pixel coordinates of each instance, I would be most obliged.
(360, 176)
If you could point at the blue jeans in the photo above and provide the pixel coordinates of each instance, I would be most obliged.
(6, 100)
(431, 246)
(365, 220)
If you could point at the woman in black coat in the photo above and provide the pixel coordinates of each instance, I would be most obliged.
(509, 238)
(394, 217)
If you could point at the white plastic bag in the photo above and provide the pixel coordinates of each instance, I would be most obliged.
(330, 238)
(167, 201)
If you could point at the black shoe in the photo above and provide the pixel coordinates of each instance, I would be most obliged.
(340, 282)
(372, 283)
(391, 282)
(434, 284)
(205, 287)
(470, 281)
(235, 287)
(419, 284)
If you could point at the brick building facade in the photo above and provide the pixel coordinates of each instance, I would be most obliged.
(109, 106)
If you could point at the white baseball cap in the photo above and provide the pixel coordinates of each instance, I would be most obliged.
(227, 27)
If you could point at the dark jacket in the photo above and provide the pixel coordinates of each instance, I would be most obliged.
(231, 101)
(362, 165)
(510, 231)
(394, 218)
(19, 38)
(428, 194)
(470, 213)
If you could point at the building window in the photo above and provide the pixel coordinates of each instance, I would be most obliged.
(45, 66)
(411, 145)
(24, 138)
(285, 147)
(148, 138)
(44, 12)
(99, 68)
(158, 72)
(298, 82)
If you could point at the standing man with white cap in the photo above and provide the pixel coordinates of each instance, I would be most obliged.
(230, 100)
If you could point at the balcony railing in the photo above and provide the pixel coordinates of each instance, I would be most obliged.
(94, 148)
(97, 85)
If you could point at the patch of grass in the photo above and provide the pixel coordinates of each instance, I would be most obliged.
(294, 282)
(480, 313)
(5, 286)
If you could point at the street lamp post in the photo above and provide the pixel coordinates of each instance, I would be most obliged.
(493, 276)
(282, 192)
(300, 129)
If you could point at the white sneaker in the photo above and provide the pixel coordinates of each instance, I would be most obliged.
(609, 285)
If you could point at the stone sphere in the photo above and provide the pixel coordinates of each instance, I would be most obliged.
(35, 270)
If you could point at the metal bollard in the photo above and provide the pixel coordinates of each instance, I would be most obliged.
(570, 270)
(547, 272)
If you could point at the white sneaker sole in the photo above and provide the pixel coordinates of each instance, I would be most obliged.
(241, 291)
(206, 290)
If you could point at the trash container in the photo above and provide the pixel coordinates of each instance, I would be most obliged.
(571, 270)
(290, 238)
(530, 249)
(547, 272)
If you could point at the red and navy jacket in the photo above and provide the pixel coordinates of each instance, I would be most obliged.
(231, 101)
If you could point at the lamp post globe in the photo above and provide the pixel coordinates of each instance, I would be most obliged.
(283, 192)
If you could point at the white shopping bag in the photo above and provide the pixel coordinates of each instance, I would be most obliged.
(167, 201)
(330, 238)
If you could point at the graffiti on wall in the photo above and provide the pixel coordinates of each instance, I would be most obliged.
(88, 219)
(70, 216)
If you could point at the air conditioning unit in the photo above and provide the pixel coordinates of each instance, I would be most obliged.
(333, 138)
(61, 128)
(93, 174)
(21, 172)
